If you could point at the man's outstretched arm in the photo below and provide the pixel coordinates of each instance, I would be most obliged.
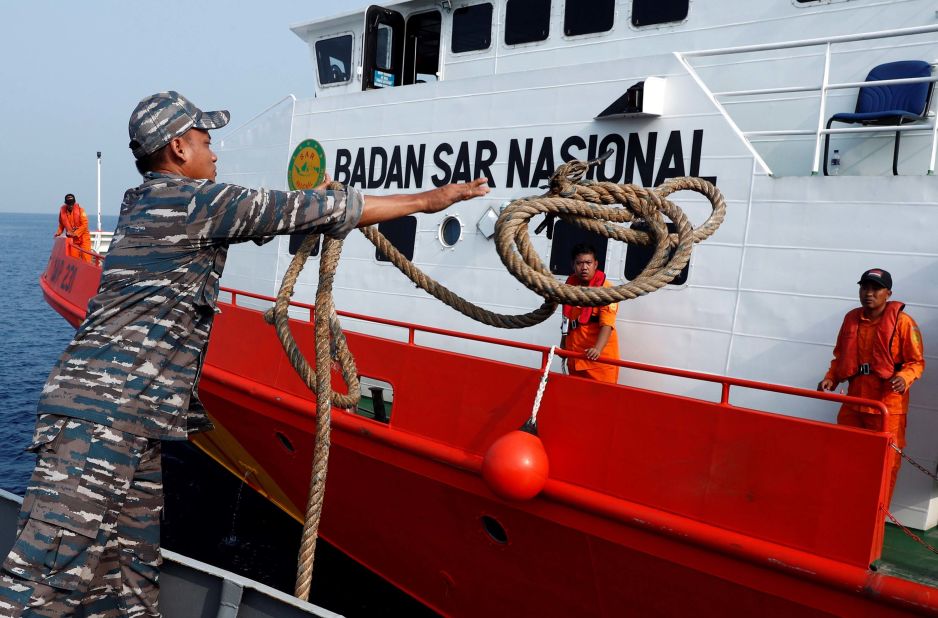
(380, 208)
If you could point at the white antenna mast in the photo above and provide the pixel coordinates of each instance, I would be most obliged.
(99, 191)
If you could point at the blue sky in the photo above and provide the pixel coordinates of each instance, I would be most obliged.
(73, 71)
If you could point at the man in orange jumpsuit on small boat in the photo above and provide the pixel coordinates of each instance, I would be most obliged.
(879, 353)
(591, 330)
(74, 222)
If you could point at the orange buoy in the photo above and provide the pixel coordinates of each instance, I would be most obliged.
(515, 466)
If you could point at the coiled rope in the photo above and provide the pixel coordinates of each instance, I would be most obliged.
(600, 207)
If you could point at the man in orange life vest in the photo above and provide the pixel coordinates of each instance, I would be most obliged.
(879, 353)
(591, 330)
(74, 222)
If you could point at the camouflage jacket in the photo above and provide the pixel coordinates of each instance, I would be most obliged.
(134, 363)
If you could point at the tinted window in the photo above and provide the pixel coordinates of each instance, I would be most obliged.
(297, 239)
(587, 16)
(383, 47)
(650, 12)
(401, 232)
(526, 21)
(472, 28)
(450, 231)
(638, 256)
(422, 51)
(334, 57)
(567, 236)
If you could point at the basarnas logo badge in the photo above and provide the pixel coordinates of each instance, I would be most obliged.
(307, 165)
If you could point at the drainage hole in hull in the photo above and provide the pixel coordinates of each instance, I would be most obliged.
(494, 530)
(285, 442)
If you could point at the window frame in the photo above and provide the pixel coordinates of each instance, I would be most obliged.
(296, 239)
(413, 251)
(576, 37)
(679, 282)
(493, 31)
(439, 52)
(352, 66)
(504, 19)
(662, 24)
(575, 235)
(441, 231)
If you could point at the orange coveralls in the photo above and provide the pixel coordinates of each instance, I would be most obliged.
(584, 337)
(908, 352)
(75, 223)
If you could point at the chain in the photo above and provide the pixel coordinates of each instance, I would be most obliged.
(911, 534)
(913, 462)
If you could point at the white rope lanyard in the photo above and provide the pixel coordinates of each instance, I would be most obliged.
(542, 386)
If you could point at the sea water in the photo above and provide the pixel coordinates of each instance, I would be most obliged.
(33, 336)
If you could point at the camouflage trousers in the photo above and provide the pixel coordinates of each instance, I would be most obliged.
(89, 530)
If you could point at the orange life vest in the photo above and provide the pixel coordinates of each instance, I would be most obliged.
(882, 364)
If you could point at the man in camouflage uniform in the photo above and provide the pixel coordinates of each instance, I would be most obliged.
(89, 527)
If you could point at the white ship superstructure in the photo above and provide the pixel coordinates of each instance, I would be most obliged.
(421, 93)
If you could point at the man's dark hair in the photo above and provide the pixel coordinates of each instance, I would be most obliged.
(148, 163)
(69, 195)
(581, 248)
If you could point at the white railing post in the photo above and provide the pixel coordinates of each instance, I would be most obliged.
(934, 137)
(729, 120)
(97, 244)
(822, 114)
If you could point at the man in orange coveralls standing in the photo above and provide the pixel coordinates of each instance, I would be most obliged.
(74, 222)
(879, 353)
(591, 330)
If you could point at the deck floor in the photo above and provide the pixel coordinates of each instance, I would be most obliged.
(906, 558)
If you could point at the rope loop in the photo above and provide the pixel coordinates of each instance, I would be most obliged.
(603, 208)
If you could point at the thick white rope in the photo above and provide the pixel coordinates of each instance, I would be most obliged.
(542, 386)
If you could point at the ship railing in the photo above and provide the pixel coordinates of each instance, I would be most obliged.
(96, 258)
(726, 382)
(101, 241)
(824, 87)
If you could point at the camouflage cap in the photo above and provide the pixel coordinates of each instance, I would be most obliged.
(160, 117)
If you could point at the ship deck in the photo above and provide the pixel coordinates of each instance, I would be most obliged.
(906, 558)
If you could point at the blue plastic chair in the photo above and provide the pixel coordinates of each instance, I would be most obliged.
(889, 105)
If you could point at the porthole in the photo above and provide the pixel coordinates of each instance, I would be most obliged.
(450, 231)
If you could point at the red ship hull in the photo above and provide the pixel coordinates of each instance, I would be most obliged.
(655, 504)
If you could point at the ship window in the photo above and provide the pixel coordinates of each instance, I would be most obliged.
(472, 28)
(383, 47)
(422, 48)
(651, 12)
(526, 21)
(333, 57)
(566, 236)
(588, 16)
(450, 231)
(297, 239)
(638, 256)
(402, 232)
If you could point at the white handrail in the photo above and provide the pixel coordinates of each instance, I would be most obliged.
(824, 87)
(870, 129)
(840, 86)
(847, 38)
(729, 121)
(823, 110)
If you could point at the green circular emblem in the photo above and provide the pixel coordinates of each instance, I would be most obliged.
(307, 166)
